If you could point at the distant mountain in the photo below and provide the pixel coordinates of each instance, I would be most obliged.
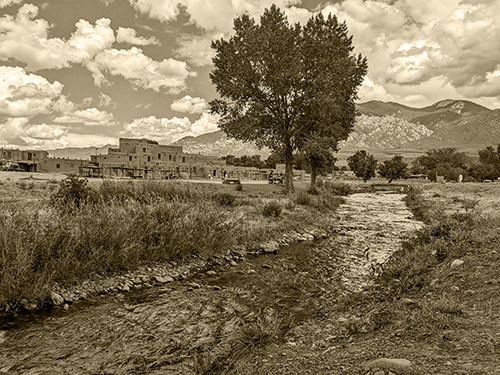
(381, 126)
(218, 144)
(449, 123)
(79, 153)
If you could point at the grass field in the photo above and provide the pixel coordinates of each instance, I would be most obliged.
(61, 230)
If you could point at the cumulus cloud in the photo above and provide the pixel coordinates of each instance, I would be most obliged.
(27, 95)
(106, 101)
(166, 130)
(414, 42)
(6, 3)
(196, 48)
(129, 35)
(89, 117)
(189, 105)
(19, 132)
(26, 39)
(141, 70)
(207, 14)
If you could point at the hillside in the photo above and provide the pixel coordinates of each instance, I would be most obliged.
(79, 153)
(381, 126)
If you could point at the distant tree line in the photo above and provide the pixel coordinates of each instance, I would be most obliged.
(446, 162)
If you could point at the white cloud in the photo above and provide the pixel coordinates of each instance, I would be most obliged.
(89, 117)
(106, 101)
(18, 131)
(166, 130)
(27, 95)
(129, 35)
(189, 105)
(26, 39)
(163, 10)
(141, 70)
(6, 3)
(196, 48)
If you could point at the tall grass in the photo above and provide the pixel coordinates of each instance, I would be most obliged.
(64, 241)
(121, 225)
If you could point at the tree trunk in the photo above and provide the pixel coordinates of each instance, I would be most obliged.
(313, 177)
(289, 169)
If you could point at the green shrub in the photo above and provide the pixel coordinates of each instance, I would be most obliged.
(72, 192)
(238, 187)
(303, 199)
(272, 209)
(312, 190)
(337, 188)
(225, 199)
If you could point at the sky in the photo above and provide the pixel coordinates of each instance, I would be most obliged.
(80, 73)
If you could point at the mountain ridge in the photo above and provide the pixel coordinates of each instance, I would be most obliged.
(379, 126)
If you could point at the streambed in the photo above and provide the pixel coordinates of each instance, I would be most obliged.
(178, 327)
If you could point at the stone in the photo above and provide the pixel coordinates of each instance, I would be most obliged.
(66, 306)
(409, 302)
(399, 366)
(456, 263)
(266, 266)
(211, 273)
(270, 247)
(455, 288)
(56, 299)
(163, 279)
(232, 263)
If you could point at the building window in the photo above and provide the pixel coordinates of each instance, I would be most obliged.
(183, 159)
(130, 158)
(149, 158)
(169, 157)
(58, 166)
(144, 149)
(159, 156)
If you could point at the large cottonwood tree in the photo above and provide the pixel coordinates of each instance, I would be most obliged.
(287, 87)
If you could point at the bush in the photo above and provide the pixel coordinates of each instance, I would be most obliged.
(225, 199)
(73, 192)
(239, 187)
(337, 188)
(312, 190)
(272, 209)
(303, 199)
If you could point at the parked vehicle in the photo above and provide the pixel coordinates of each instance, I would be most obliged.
(231, 181)
(12, 166)
(276, 178)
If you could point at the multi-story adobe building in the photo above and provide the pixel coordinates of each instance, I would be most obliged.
(146, 158)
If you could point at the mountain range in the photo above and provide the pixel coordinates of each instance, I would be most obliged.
(380, 126)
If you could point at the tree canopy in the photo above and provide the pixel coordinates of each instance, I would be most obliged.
(288, 87)
(447, 162)
(363, 165)
(393, 169)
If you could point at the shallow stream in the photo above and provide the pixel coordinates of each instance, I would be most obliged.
(162, 330)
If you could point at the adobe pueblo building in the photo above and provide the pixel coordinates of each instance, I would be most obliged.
(144, 158)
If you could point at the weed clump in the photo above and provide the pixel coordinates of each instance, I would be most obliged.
(303, 199)
(73, 191)
(225, 199)
(272, 209)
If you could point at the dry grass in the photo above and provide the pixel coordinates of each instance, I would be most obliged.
(71, 233)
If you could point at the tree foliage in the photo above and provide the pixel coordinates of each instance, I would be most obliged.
(363, 165)
(447, 162)
(488, 167)
(393, 169)
(286, 86)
